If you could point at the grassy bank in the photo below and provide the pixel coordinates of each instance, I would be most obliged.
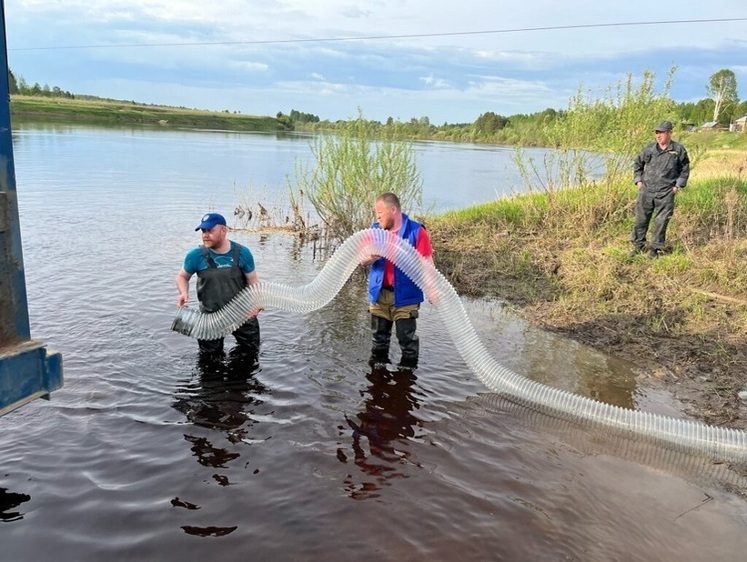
(561, 260)
(112, 112)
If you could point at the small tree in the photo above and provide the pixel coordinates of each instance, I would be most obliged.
(722, 88)
(353, 167)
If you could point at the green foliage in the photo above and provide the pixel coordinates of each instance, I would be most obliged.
(618, 123)
(695, 113)
(285, 121)
(489, 123)
(595, 135)
(522, 130)
(299, 117)
(352, 168)
(623, 114)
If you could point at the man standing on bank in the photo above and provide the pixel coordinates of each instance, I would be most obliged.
(223, 269)
(660, 171)
(393, 298)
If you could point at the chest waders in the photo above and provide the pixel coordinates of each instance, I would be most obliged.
(384, 315)
(216, 286)
(395, 306)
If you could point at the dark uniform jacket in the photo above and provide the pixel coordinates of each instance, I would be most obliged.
(659, 169)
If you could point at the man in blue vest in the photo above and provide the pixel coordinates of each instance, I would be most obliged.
(394, 300)
(223, 269)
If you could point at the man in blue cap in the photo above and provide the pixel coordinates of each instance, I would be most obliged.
(660, 171)
(223, 269)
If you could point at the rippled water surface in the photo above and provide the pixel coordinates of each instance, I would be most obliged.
(146, 454)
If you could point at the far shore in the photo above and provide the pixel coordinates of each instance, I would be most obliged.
(118, 113)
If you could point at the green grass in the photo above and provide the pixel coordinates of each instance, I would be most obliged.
(112, 112)
(567, 253)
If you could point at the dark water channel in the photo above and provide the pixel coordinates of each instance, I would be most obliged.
(146, 454)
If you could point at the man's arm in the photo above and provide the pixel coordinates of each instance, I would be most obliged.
(252, 279)
(182, 285)
(425, 248)
(423, 245)
(638, 165)
(684, 170)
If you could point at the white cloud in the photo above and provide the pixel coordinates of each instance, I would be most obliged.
(435, 83)
(249, 66)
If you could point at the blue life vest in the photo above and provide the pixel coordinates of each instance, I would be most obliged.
(405, 291)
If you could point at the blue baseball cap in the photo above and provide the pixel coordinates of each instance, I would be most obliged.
(211, 220)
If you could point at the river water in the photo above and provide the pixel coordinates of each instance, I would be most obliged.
(146, 454)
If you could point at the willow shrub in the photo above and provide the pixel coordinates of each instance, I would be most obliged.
(596, 141)
(350, 169)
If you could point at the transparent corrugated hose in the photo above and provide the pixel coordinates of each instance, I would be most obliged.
(685, 435)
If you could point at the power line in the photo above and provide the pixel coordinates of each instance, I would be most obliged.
(380, 37)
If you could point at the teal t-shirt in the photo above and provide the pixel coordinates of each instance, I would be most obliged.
(194, 261)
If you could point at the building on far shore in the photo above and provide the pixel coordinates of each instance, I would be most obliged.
(740, 125)
(710, 126)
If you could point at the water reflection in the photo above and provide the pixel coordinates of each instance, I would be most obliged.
(386, 424)
(221, 396)
(582, 370)
(595, 441)
(10, 501)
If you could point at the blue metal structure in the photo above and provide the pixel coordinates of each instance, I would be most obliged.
(27, 370)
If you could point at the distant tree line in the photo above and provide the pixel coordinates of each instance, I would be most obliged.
(299, 117)
(722, 106)
(21, 87)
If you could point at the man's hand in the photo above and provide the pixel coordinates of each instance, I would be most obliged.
(372, 258)
(182, 299)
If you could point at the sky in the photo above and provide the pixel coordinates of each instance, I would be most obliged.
(447, 60)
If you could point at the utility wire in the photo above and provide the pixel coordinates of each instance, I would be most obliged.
(379, 37)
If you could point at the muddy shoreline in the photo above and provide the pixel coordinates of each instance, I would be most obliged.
(706, 380)
(705, 369)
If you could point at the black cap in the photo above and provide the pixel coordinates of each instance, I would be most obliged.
(664, 126)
